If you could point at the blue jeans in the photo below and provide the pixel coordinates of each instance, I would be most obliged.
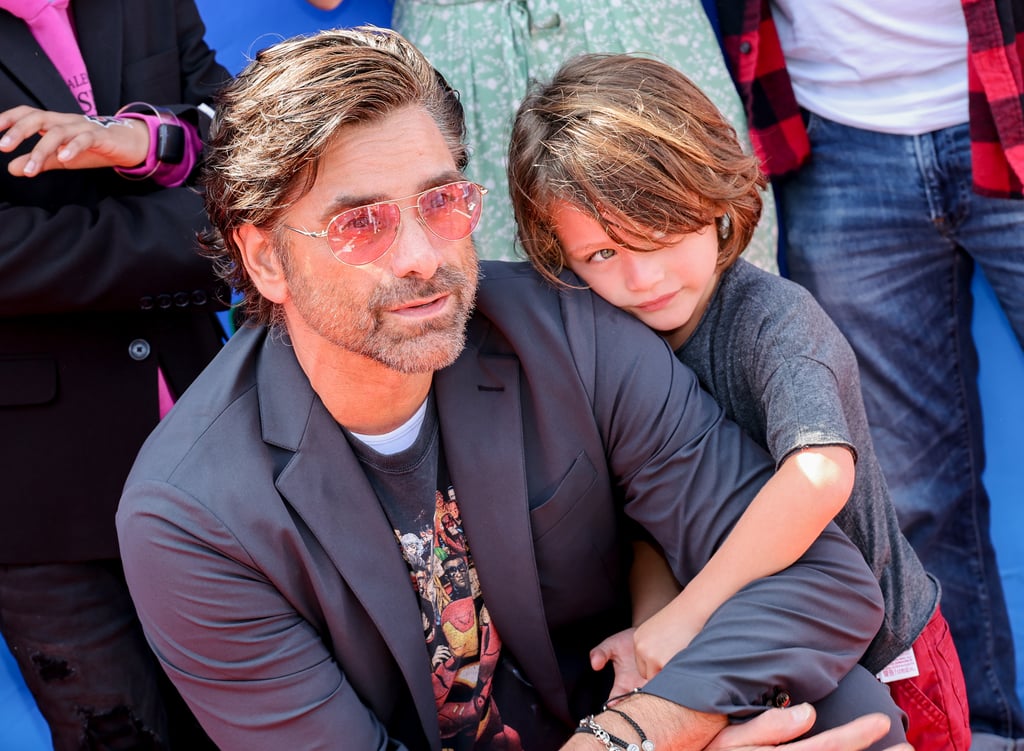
(884, 230)
(73, 631)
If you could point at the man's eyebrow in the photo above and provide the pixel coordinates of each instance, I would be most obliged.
(346, 201)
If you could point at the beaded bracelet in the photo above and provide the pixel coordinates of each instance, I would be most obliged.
(611, 742)
(645, 743)
(620, 697)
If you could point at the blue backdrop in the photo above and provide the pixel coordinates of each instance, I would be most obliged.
(238, 30)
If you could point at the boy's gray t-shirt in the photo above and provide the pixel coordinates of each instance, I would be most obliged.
(780, 368)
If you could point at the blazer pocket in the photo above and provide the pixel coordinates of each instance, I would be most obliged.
(26, 381)
(576, 545)
(573, 488)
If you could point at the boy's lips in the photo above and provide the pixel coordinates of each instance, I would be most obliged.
(656, 304)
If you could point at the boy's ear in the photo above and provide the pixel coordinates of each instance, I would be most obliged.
(262, 262)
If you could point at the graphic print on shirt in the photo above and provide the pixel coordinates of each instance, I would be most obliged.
(462, 642)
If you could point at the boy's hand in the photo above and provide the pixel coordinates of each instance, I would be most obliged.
(657, 640)
(618, 648)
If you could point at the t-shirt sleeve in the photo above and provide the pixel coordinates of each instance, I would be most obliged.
(803, 364)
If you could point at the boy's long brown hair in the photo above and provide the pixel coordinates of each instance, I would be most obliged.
(629, 138)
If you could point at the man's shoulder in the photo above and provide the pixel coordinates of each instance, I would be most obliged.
(513, 297)
(512, 282)
(515, 287)
(534, 312)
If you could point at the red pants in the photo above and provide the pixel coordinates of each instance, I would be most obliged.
(935, 701)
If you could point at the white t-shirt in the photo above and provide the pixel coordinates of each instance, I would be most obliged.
(398, 439)
(894, 66)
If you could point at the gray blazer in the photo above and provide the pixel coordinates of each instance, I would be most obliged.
(272, 589)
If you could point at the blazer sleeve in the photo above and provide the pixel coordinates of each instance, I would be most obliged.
(256, 671)
(686, 474)
(90, 240)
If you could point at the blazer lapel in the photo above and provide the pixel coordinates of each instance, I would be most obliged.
(481, 426)
(326, 486)
(29, 65)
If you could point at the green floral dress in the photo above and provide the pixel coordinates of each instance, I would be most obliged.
(490, 50)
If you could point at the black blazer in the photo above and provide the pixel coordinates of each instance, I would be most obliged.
(100, 283)
(271, 587)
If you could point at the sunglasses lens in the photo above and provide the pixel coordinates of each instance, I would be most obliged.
(452, 211)
(362, 235)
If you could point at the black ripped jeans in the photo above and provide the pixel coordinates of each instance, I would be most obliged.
(73, 630)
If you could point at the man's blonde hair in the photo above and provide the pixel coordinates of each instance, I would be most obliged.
(277, 118)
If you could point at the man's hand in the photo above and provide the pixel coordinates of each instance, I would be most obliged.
(769, 731)
(773, 728)
(670, 726)
(70, 141)
(619, 649)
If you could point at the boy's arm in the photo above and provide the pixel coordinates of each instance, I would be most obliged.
(782, 521)
(652, 585)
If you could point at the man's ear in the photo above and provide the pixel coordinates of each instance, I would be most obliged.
(262, 262)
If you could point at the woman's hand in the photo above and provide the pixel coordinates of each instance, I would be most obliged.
(71, 141)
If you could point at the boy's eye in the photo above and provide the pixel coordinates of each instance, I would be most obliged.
(602, 255)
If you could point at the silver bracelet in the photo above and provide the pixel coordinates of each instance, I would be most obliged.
(611, 742)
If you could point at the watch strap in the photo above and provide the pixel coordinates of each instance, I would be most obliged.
(174, 146)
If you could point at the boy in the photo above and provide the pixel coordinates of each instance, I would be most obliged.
(624, 172)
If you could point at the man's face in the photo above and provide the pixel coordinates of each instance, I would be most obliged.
(408, 309)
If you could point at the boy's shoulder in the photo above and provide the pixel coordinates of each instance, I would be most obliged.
(763, 305)
(758, 285)
(751, 294)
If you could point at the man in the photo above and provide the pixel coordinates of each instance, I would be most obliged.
(367, 400)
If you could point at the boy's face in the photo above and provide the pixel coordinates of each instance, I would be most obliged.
(667, 288)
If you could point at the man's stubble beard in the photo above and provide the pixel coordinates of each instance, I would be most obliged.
(326, 306)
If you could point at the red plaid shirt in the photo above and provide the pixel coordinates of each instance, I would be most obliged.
(995, 30)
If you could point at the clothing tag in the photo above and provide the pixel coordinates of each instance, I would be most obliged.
(904, 666)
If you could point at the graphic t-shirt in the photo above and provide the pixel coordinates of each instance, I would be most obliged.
(462, 642)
